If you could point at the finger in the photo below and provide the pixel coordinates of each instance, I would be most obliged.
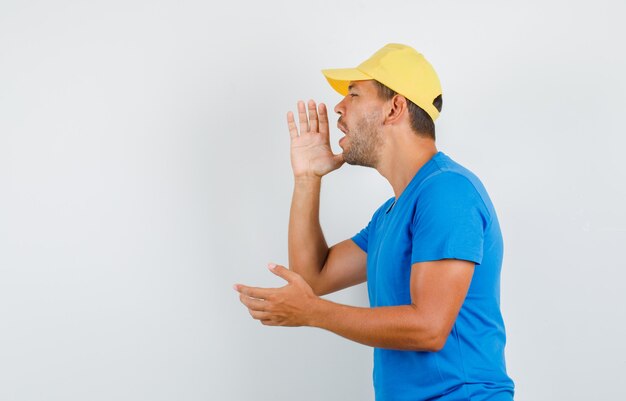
(304, 121)
(260, 315)
(253, 303)
(313, 125)
(323, 121)
(283, 272)
(291, 123)
(255, 292)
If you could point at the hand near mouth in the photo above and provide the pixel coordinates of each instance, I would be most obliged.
(311, 155)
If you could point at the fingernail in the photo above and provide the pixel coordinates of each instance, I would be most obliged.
(235, 287)
(271, 265)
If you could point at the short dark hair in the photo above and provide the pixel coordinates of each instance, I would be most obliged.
(421, 122)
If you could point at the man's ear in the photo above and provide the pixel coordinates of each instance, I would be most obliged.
(396, 109)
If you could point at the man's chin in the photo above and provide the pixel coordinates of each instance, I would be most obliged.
(351, 160)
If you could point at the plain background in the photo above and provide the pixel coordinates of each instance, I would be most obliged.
(144, 169)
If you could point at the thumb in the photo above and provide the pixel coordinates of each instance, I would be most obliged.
(282, 272)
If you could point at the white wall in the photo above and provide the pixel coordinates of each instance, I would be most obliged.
(144, 169)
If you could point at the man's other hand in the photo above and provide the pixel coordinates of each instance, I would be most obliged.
(291, 305)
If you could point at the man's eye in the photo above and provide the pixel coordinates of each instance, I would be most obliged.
(353, 94)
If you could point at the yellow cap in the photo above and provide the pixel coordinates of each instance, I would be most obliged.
(399, 67)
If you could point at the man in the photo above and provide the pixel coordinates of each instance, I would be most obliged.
(431, 255)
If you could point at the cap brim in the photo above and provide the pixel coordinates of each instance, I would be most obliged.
(340, 78)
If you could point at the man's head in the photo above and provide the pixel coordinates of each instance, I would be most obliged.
(364, 112)
(396, 79)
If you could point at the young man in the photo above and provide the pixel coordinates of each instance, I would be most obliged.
(431, 255)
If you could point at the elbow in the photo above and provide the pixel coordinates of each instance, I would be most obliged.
(429, 333)
(436, 344)
(429, 343)
(314, 283)
(429, 339)
(318, 288)
(317, 291)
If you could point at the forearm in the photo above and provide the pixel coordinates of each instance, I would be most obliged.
(394, 327)
(306, 243)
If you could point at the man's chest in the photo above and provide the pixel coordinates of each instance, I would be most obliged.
(389, 262)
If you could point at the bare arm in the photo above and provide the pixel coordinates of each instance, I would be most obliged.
(325, 269)
(438, 290)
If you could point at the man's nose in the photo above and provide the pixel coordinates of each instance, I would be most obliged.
(339, 107)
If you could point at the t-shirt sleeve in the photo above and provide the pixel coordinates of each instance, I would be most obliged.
(362, 237)
(450, 221)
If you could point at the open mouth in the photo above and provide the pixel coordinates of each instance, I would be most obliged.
(342, 128)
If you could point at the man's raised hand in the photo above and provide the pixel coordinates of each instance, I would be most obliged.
(311, 155)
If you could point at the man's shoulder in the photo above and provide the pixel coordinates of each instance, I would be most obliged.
(451, 189)
(448, 170)
(451, 179)
(449, 182)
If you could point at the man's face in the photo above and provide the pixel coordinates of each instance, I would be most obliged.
(361, 119)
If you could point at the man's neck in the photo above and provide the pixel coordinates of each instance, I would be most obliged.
(403, 158)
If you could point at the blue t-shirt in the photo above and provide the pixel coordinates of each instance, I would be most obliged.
(444, 213)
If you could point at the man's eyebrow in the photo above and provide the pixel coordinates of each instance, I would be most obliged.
(350, 87)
